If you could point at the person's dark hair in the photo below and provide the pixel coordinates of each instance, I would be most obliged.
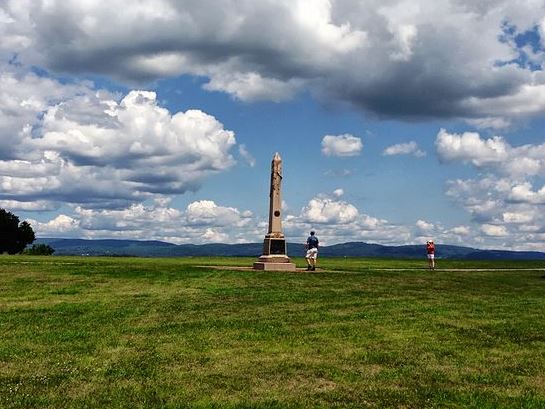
(312, 233)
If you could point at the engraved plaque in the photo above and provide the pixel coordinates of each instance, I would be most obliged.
(278, 247)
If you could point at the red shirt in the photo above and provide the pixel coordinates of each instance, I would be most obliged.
(430, 247)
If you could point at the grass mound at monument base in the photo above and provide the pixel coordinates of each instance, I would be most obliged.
(163, 333)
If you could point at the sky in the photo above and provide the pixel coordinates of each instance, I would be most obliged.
(398, 121)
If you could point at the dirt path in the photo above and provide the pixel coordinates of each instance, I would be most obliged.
(323, 270)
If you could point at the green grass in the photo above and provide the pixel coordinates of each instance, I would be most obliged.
(165, 333)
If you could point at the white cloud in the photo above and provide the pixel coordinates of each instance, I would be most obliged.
(341, 145)
(470, 147)
(61, 225)
(327, 210)
(38, 205)
(201, 222)
(338, 173)
(136, 218)
(527, 101)
(523, 193)
(506, 197)
(372, 54)
(337, 221)
(490, 122)
(247, 156)
(521, 217)
(251, 86)
(214, 236)
(541, 28)
(494, 231)
(493, 153)
(409, 148)
(483, 198)
(405, 36)
(73, 144)
(424, 227)
(135, 131)
(461, 230)
(338, 192)
(206, 212)
(502, 199)
(24, 96)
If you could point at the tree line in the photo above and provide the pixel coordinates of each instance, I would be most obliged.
(15, 236)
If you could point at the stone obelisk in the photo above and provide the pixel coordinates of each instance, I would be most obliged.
(275, 255)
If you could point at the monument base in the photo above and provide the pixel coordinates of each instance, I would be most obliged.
(277, 262)
(271, 266)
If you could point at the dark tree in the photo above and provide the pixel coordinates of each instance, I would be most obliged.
(40, 250)
(14, 236)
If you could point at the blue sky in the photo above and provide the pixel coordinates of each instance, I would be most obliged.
(397, 121)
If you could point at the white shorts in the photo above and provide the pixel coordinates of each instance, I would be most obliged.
(312, 253)
(431, 256)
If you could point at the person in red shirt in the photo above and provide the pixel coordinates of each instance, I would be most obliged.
(430, 249)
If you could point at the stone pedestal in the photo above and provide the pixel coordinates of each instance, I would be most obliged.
(274, 256)
(272, 266)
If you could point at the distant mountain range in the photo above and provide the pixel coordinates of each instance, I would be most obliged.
(139, 248)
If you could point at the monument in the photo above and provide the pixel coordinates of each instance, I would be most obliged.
(275, 256)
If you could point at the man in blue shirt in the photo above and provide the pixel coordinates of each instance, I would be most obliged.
(312, 251)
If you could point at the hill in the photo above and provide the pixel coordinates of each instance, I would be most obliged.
(154, 248)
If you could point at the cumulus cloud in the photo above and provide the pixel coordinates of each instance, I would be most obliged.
(494, 231)
(61, 226)
(334, 220)
(25, 96)
(492, 153)
(409, 148)
(523, 193)
(519, 217)
(424, 227)
(38, 205)
(338, 173)
(327, 214)
(73, 144)
(484, 198)
(328, 210)
(461, 230)
(253, 87)
(206, 212)
(506, 198)
(247, 156)
(471, 148)
(370, 54)
(337, 221)
(338, 192)
(214, 236)
(341, 145)
(204, 221)
(201, 222)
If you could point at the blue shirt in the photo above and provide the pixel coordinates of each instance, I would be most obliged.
(312, 242)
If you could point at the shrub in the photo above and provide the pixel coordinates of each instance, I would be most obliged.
(40, 250)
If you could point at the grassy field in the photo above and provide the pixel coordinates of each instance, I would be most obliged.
(173, 333)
